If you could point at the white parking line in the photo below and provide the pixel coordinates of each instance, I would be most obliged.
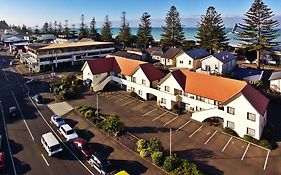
(196, 131)
(183, 125)
(149, 112)
(265, 163)
(160, 116)
(128, 103)
(226, 144)
(22, 116)
(121, 99)
(171, 120)
(59, 137)
(7, 140)
(211, 137)
(45, 160)
(245, 151)
(114, 96)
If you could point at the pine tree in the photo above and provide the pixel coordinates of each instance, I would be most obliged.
(211, 33)
(60, 28)
(106, 34)
(66, 28)
(36, 31)
(93, 30)
(73, 31)
(51, 29)
(45, 28)
(55, 28)
(124, 35)
(144, 31)
(83, 32)
(173, 34)
(259, 29)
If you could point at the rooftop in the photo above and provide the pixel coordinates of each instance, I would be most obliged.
(197, 53)
(171, 53)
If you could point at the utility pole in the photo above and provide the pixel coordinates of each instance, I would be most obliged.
(170, 141)
(97, 104)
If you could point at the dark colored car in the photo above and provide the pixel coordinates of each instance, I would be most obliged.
(38, 99)
(84, 147)
(13, 111)
(101, 164)
(2, 162)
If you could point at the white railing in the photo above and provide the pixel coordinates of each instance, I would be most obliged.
(100, 86)
(213, 112)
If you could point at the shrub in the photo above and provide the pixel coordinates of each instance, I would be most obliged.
(171, 163)
(230, 131)
(79, 107)
(68, 79)
(267, 132)
(141, 144)
(186, 168)
(154, 145)
(113, 125)
(158, 158)
(100, 124)
(265, 144)
(176, 109)
(56, 90)
(89, 114)
(144, 153)
(251, 139)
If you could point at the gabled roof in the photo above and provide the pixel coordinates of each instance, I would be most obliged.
(249, 74)
(125, 66)
(99, 65)
(171, 53)
(125, 54)
(151, 72)
(219, 88)
(155, 51)
(224, 56)
(197, 53)
(275, 75)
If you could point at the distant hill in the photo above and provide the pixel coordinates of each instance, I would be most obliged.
(3, 25)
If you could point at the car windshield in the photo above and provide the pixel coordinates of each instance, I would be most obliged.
(55, 147)
(70, 132)
(59, 119)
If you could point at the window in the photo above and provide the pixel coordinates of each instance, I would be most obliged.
(216, 66)
(251, 116)
(140, 92)
(230, 124)
(181, 62)
(132, 89)
(251, 132)
(167, 88)
(230, 110)
(207, 67)
(189, 62)
(163, 100)
(133, 79)
(143, 81)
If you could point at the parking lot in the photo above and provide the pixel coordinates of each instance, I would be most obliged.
(190, 139)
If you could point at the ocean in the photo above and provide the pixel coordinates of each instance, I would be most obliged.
(190, 33)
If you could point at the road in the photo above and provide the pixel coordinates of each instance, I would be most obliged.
(24, 152)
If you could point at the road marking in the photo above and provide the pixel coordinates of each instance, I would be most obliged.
(160, 116)
(245, 151)
(114, 96)
(59, 137)
(226, 144)
(265, 163)
(128, 102)
(5, 75)
(183, 125)
(22, 116)
(45, 160)
(149, 112)
(196, 131)
(211, 137)
(121, 99)
(7, 140)
(171, 120)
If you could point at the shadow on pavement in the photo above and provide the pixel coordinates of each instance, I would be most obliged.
(132, 167)
(85, 134)
(16, 147)
(146, 129)
(71, 122)
(104, 149)
(21, 166)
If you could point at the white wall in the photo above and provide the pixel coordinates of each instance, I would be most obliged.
(87, 74)
(183, 61)
(213, 63)
(276, 85)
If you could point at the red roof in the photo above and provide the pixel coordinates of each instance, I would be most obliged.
(100, 65)
(151, 72)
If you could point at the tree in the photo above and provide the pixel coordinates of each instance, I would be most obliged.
(158, 158)
(187, 168)
(113, 124)
(259, 29)
(73, 31)
(106, 34)
(144, 31)
(51, 29)
(171, 163)
(45, 27)
(93, 30)
(24, 29)
(83, 32)
(211, 33)
(154, 145)
(55, 27)
(173, 34)
(66, 28)
(60, 28)
(124, 35)
(36, 31)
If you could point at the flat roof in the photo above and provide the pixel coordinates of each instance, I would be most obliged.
(73, 44)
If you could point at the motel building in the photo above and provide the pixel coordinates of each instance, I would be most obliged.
(42, 56)
(240, 106)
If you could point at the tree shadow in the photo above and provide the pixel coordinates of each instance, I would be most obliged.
(132, 167)
(21, 166)
(146, 129)
(199, 156)
(104, 149)
(71, 122)
(87, 135)
(16, 147)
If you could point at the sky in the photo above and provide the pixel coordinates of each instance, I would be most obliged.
(36, 12)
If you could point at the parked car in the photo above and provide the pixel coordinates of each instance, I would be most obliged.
(57, 120)
(13, 111)
(101, 164)
(38, 99)
(123, 172)
(68, 132)
(51, 144)
(84, 147)
(2, 161)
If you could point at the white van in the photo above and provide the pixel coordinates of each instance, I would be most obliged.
(51, 144)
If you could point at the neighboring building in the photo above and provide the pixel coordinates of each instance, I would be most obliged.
(130, 55)
(239, 105)
(155, 52)
(191, 59)
(219, 63)
(251, 75)
(66, 38)
(275, 81)
(41, 56)
(46, 38)
(169, 57)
